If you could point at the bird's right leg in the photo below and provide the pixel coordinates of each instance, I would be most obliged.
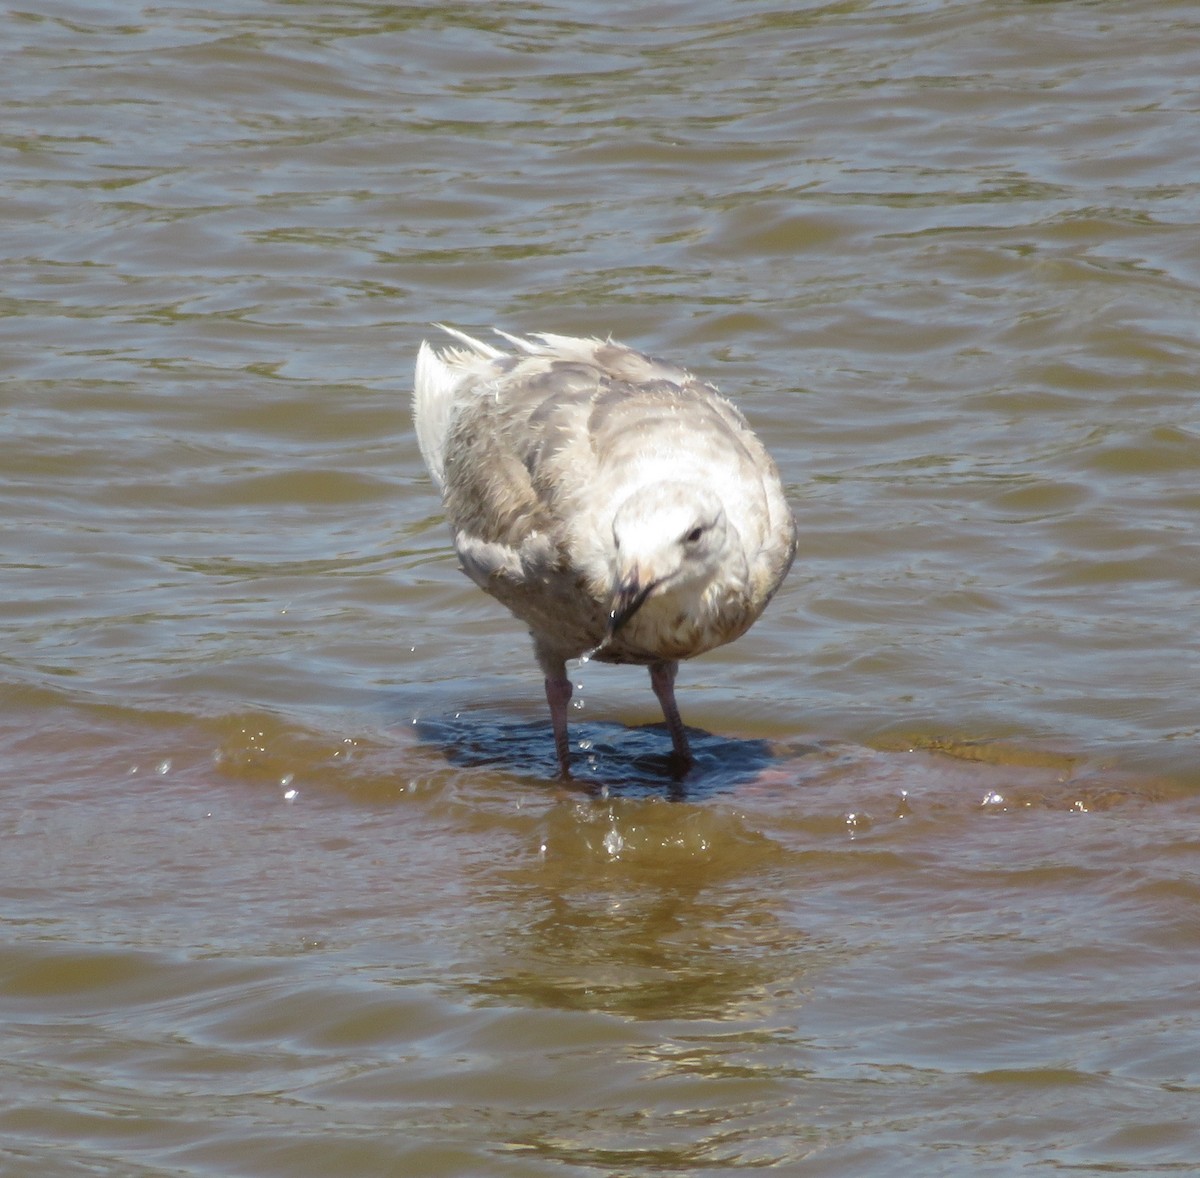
(662, 680)
(558, 696)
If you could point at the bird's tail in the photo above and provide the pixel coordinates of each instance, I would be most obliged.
(433, 397)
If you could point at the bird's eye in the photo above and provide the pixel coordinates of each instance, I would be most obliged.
(693, 537)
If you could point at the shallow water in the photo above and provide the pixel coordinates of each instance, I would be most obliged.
(286, 886)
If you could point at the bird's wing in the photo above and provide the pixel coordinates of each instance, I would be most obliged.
(439, 383)
(498, 423)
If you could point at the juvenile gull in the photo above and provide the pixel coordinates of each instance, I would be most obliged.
(613, 502)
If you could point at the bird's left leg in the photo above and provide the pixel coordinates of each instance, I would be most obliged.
(662, 679)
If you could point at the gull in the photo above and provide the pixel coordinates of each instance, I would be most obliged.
(617, 505)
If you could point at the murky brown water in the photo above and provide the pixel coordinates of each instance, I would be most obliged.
(284, 888)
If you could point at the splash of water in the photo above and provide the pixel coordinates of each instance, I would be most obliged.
(614, 844)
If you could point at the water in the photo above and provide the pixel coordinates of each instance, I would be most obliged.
(287, 886)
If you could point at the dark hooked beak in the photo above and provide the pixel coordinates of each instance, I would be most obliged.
(628, 599)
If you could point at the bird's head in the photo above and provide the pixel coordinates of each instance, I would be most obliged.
(669, 539)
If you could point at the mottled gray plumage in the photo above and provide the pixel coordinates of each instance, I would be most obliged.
(613, 502)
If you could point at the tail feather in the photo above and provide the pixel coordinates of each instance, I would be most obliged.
(476, 346)
(433, 399)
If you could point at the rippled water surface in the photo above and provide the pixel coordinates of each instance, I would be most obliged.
(285, 886)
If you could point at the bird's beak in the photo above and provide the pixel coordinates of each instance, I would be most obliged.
(629, 597)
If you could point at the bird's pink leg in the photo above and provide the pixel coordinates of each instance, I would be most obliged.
(558, 695)
(662, 679)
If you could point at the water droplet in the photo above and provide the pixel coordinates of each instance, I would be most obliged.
(290, 795)
(586, 657)
(613, 842)
(858, 821)
(163, 767)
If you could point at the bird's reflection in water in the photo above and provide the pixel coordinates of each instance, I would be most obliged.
(607, 758)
